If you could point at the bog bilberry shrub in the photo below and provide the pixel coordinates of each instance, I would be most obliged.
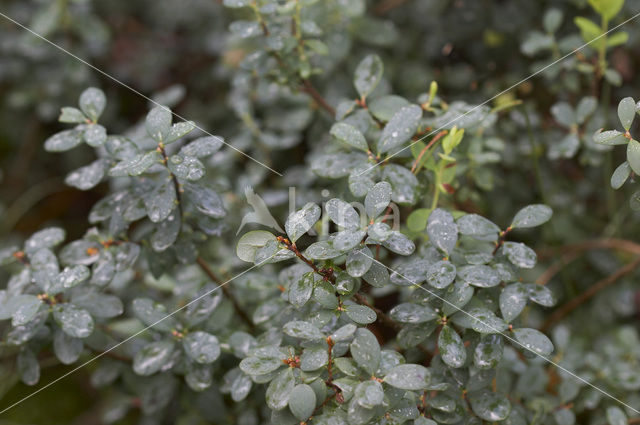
(384, 296)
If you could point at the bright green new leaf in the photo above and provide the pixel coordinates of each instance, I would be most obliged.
(608, 9)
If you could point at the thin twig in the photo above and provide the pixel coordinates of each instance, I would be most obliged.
(227, 292)
(426, 148)
(308, 88)
(608, 243)
(501, 240)
(574, 303)
(201, 262)
(573, 251)
(556, 267)
(386, 6)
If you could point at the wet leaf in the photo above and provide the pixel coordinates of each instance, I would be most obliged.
(301, 221)
(520, 255)
(202, 146)
(89, 176)
(533, 340)
(201, 346)
(152, 357)
(63, 141)
(303, 330)
(513, 299)
(441, 274)
(531, 216)
(360, 314)
(75, 321)
(408, 377)
(300, 291)
(304, 402)
(365, 350)
(92, 102)
(400, 128)
(442, 230)
(158, 123)
(452, 350)
(280, 389)
(369, 394)
(368, 74)
(490, 406)
(349, 135)
(342, 214)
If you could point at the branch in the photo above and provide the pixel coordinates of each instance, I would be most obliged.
(556, 267)
(609, 243)
(426, 148)
(236, 305)
(386, 6)
(573, 251)
(328, 274)
(308, 88)
(561, 312)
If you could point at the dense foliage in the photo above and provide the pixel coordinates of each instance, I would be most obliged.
(348, 232)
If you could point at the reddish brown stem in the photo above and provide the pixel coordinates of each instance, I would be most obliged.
(308, 88)
(501, 239)
(573, 251)
(386, 6)
(330, 343)
(556, 267)
(236, 305)
(327, 274)
(426, 148)
(609, 243)
(574, 303)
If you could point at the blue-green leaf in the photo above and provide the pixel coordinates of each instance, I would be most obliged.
(365, 350)
(158, 123)
(349, 135)
(152, 357)
(442, 230)
(490, 406)
(408, 377)
(301, 221)
(368, 74)
(92, 102)
(534, 340)
(531, 216)
(400, 128)
(75, 321)
(304, 402)
(201, 346)
(452, 350)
